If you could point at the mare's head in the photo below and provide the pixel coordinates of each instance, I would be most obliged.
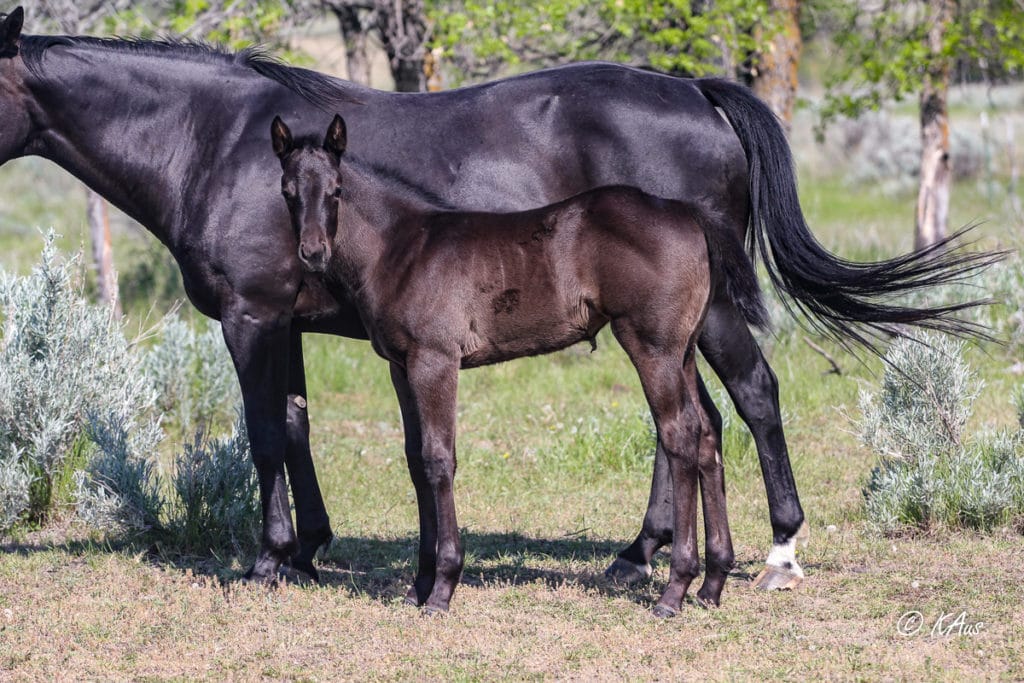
(15, 119)
(311, 185)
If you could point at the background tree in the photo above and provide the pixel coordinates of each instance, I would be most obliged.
(893, 50)
(401, 26)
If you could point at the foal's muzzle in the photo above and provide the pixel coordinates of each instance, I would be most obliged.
(315, 256)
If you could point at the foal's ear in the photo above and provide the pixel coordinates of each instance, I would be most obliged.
(281, 137)
(10, 32)
(337, 136)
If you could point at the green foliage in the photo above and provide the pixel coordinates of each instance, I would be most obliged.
(672, 35)
(928, 474)
(882, 54)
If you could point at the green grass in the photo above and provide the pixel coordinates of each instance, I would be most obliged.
(543, 509)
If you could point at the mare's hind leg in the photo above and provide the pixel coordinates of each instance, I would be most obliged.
(313, 524)
(634, 563)
(427, 561)
(717, 540)
(670, 390)
(733, 353)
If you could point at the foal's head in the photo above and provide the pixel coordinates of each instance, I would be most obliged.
(311, 184)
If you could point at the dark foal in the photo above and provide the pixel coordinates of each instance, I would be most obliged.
(440, 290)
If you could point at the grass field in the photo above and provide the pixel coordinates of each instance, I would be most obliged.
(554, 467)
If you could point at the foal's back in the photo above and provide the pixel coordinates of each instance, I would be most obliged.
(502, 286)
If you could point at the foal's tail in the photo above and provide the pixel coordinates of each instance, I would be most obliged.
(735, 271)
(844, 299)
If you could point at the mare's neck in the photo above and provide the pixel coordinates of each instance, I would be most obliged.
(132, 127)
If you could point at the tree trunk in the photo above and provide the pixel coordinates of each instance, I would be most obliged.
(936, 174)
(404, 33)
(775, 80)
(354, 34)
(102, 255)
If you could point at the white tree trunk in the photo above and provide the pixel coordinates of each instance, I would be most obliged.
(102, 255)
(936, 172)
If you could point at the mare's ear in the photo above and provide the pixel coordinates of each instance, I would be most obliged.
(10, 32)
(337, 136)
(281, 137)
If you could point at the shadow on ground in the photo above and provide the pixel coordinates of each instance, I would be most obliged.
(382, 569)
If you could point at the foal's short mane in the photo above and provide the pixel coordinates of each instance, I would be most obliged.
(321, 90)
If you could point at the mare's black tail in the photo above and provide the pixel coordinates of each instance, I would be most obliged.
(844, 299)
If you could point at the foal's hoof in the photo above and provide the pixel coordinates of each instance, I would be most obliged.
(433, 612)
(774, 578)
(628, 573)
(664, 611)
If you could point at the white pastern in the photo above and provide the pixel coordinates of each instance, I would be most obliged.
(783, 555)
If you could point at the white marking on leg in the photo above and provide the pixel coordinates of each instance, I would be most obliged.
(783, 555)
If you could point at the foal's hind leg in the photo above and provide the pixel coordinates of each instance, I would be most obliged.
(670, 390)
(427, 561)
(717, 540)
(313, 524)
(634, 563)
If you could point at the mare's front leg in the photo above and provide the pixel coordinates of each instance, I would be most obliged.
(314, 526)
(427, 561)
(433, 379)
(257, 337)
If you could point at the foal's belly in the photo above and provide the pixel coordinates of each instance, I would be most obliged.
(520, 328)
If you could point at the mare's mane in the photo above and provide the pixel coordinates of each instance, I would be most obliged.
(319, 89)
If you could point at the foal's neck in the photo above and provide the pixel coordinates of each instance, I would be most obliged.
(375, 213)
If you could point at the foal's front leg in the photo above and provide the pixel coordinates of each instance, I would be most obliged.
(433, 379)
(427, 561)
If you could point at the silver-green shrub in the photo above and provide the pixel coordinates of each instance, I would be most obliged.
(928, 471)
(119, 489)
(61, 359)
(81, 418)
(193, 374)
(216, 502)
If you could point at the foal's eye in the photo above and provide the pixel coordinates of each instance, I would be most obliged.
(337, 192)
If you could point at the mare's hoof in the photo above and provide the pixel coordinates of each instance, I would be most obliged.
(433, 611)
(774, 578)
(664, 611)
(301, 573)
(628, 573)
(255, 578)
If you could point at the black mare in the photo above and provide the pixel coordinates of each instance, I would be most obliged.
(441, 289)
(175, 136)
